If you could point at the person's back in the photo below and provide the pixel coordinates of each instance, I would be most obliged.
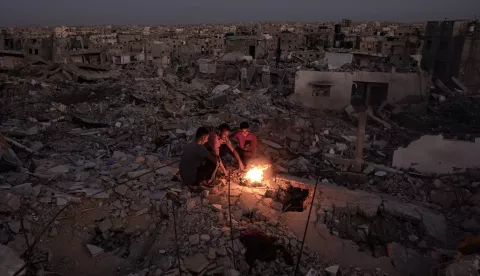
(192, 164)
(192, 158)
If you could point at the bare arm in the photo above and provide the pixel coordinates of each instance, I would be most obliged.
(235, 153)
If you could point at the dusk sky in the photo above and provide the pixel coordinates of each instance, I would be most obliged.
(118, 12)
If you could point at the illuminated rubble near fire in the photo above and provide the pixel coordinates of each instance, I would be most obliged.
(255, 174)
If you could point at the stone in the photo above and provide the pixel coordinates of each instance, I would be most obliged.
(194, 239)
(59, 169)
(294, 137)
(271, 144)
(10, 262)
(105, 225)
(413, 238)
(24, 189)
(354, 201)
(9, 202)
(61, 201)
(466, 266)
(139, 173)
(222, 251)
(438, 184)
(332, 270)
(211, 253)
(140, 160)
(121, 189)
(166, 171)
(94, 250)
(277, 206)
(14, 226)
(443, 198)
(118, 155)
(293, 243)
(341, 147)
(53, 232)
(191, 203)
(205, 237)
(380, 173)
(196, 263)
(409, 261)
(217, 207)
(232, 272)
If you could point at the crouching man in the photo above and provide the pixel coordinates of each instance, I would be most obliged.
(197, 164)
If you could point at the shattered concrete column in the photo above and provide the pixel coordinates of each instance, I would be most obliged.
(243, 78)
(266, 76)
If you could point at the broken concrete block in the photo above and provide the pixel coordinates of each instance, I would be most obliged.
(105, 225)
(10, 262)
(196, 263)
(332, 270)
(139, 173)
(94, 250)
(271, 144)
(60, 169)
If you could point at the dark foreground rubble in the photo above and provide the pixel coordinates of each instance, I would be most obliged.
(88, 186)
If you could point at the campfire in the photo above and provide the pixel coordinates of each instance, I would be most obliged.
(255, 174)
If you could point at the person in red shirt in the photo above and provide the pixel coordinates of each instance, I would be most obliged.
(247, 142)
(218, 140)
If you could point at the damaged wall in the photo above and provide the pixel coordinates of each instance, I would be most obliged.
(337, 96)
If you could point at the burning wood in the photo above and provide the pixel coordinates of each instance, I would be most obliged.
(255, 174)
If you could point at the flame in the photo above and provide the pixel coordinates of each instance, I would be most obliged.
(255, 174)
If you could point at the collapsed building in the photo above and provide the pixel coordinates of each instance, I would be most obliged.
(364, 169)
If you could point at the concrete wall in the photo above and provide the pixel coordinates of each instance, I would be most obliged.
(400, 85)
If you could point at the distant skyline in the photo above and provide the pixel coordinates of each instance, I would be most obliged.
(157, 12)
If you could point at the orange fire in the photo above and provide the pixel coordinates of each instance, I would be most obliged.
(255, 174)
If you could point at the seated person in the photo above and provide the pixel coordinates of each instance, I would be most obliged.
(193, 168)
(219, 138)
(247, 142)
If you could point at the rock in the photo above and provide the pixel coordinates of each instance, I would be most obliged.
(271, 144)
(140, 160)
(211, 253)
(9, 202)
(121, 189)
(443, 198)
(466, 266)
(135, 174)
(59, 169)
(53, 232)
(222, 251)
(166, 172)
(105, 225)
(293, 242)
(118, 155)
(277, 206)
(409, 261)
(10, 262)
(94, 250)
(14, 226)
(380, 173)
(232, 272)
(36, 190)
(61, 201)
(294, 137)
(413, 238)
(196, 263)
(217, 207)
(438, 184)
(194, 239)
(341, 147)
(191, 203)
(24, 189)
(205, 237)
(332, 270)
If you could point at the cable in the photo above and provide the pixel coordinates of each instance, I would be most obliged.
(306, 228)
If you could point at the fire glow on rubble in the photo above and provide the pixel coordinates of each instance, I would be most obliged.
(255, 174)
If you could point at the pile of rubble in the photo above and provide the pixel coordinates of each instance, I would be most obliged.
(91, 167)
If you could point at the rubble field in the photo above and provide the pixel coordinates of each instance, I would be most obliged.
(89, 183)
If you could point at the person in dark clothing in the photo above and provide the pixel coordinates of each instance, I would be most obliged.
(247, 142)
(197, 164)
